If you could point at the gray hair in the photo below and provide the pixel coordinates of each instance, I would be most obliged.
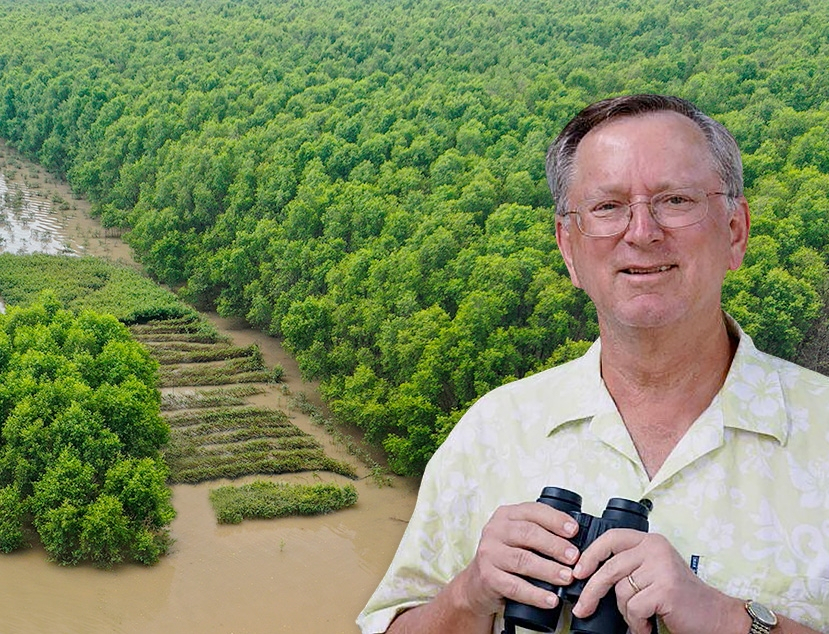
(560, 156)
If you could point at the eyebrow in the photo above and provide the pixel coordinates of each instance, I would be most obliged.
(622, 193)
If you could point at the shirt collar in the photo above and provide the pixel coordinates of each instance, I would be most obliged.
(751, 398)
(583, 394)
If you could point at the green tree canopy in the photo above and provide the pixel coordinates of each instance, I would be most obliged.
(337, 172)
(80, 434)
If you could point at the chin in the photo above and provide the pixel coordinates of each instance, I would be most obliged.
(650, 316)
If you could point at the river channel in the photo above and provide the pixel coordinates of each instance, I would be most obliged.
(297, 575)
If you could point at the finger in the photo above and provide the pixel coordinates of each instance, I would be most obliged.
(537, 527)
(564, 527)
(613, 542)
(513, 543)
(553, 520)
(637, 608)
(523, 591)
(499, 585)
(617, 572)
(632, 602)
(527, 563)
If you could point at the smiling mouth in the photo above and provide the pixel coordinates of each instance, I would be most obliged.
(648, 271)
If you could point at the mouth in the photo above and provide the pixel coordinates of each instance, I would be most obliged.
(649, 270)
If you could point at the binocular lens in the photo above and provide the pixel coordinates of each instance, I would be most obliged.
(561, 499)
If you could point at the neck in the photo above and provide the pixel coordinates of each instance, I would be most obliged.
(659, 358)
(662, 380)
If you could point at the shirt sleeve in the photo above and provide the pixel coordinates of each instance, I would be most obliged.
(438, 543)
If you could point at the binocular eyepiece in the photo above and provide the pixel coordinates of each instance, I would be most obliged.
(619, 513)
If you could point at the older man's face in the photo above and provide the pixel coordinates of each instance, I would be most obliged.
(649, 276)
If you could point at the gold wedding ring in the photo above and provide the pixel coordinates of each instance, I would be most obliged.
(633, 584)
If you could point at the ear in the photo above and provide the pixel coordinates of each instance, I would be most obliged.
(565, 245)
(738, 224)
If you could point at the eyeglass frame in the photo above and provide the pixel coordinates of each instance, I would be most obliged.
(649, 203)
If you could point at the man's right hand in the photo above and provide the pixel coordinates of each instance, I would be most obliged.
(508, 550)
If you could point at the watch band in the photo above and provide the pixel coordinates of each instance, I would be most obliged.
(758, 628)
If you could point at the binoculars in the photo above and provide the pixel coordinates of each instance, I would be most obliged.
(619, 513)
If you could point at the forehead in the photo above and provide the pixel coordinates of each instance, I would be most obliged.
(650, 151)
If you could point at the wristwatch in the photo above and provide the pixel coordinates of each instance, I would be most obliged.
(763, 620)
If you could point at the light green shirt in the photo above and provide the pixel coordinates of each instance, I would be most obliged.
(745, 492)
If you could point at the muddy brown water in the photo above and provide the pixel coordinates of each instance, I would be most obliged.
(302, 574)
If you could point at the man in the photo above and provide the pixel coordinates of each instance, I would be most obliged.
(673, 404)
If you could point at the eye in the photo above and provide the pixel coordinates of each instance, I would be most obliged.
(676, 200)
(603, 208)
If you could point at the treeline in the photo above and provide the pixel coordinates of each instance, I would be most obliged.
(365, 178)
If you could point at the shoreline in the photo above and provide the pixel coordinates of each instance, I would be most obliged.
(294, 574)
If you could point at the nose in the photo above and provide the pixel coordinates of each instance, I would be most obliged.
(642, 227)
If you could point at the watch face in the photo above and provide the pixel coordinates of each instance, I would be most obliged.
(762, 613)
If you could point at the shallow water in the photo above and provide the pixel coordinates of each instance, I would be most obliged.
(286, 575)
(26, 224)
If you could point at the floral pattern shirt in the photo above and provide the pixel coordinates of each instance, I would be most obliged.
(744, 496)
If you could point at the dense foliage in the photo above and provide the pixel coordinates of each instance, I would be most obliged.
(266, 500)
(80, 434)
(365, 178)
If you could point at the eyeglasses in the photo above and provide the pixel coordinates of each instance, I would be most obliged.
(672, 209)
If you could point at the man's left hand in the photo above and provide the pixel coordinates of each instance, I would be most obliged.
(651, 578)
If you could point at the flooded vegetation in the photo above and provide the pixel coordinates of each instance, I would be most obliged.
(27, 222)
(293, 574)
(40, 214)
